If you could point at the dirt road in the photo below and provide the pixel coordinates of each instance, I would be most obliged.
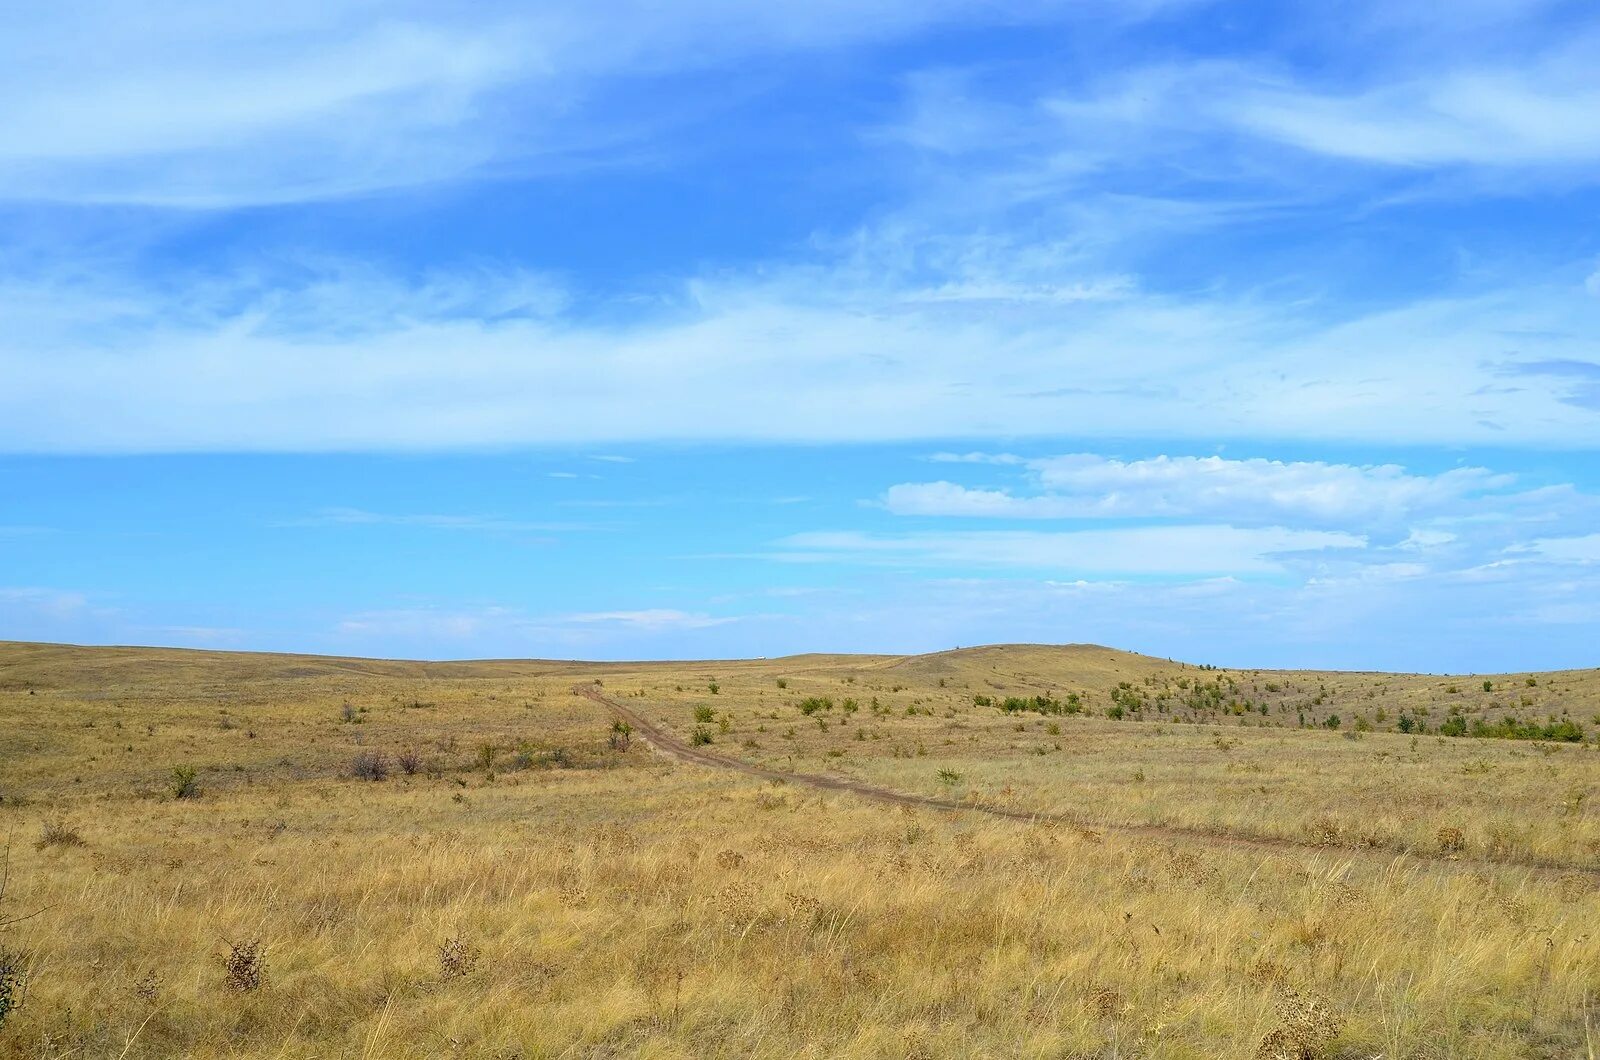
(670, 746)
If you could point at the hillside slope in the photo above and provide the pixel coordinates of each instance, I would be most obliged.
(1103, 680)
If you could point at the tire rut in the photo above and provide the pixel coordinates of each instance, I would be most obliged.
(665, 743)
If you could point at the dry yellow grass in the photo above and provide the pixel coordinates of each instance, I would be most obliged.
(575, 900)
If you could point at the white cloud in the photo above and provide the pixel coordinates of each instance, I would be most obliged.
(976, 458)
(51, 604)
(650, 619)
(1148, 550)
(427, 624)
(494, 524)
(346, 360)
(947, 498)
(430, 631)
(46, 613)
(1545, 115)
(1583, 549)
(1085, 485)
(1419, 540)
(223, 105)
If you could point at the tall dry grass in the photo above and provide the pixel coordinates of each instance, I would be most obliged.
(571, 898)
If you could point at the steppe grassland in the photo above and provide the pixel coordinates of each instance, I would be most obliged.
(1503, 800)
(602, 902)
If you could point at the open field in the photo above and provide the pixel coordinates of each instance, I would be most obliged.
(1204, 879)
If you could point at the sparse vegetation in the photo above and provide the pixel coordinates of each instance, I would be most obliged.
(244, 967)
(621, 736)
(184, 783)
(370, 765)
(588, 901)
(58, 833)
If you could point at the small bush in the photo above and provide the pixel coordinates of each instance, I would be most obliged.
(409, 761)
(12, 983)
(704, 714)
(782, 683)
(700, 737)
(58, 834)
(184, 783)
(457, 958)
(370, 765)
(621, 735)
(348, 715)
(245, 967)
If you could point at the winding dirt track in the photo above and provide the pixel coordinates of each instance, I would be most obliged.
(670, 746)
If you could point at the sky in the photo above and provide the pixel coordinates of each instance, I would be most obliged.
(1255, 334)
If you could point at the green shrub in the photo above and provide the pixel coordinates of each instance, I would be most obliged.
(184, 784)
(1564, 731)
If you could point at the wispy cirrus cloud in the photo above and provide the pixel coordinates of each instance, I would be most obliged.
(1540, 114)
(483, 523)
(206, 108)
(658, 618)
(500, 629)
(769, 359)
(1581, 549)
(1579, 380)
(1148, 550)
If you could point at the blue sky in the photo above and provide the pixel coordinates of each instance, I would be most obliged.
(1244, 333)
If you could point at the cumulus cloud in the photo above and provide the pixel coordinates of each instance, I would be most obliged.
(1086, 485)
